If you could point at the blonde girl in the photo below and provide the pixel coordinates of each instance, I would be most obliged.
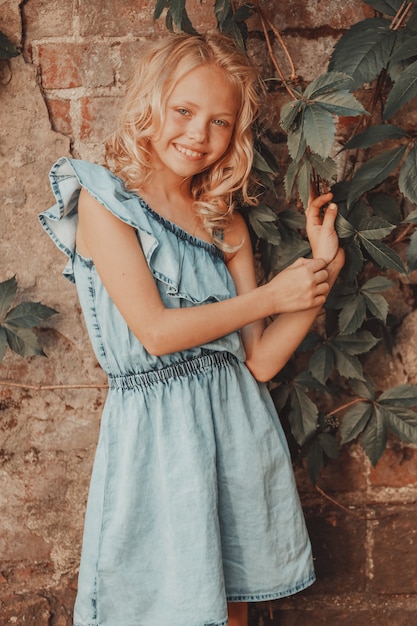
(193, 510)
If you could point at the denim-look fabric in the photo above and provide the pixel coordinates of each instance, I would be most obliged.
(192, 500)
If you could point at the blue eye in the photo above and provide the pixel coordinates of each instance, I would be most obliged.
(219, 123)
(182, 111)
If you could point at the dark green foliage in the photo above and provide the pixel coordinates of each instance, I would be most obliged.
(16, 323)
(7, 48)
(370, 174)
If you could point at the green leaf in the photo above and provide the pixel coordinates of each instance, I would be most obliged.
(329, 445)
(374, 437)
(302, 416)
(222, 9)
(348, 365)
(296, 144)
(8, 290)
(7, 47)
(364, 50)
(374, 228)
(319, 130)
(405, 50)
(289, 113)
(292, 219)
(354, 421)
(290, 178)
(359, 343)
(321, 363)
(326, 169)
(373, 172)
(363, 389)
(411, 254)
(386, 207)
(341, 103)
(402, 423)
(159, 7)
(260, 163)
(328, 83)
(28, 314)
(375, 134)
(265, 229)
(377, 305)
(23, 341)
(408, 175)
(383, 256)
(344, 229)
(404, 90)
(354, 261)
(303, 182)
(376, 285)
(389, 7)
(3, 343)
(352, 315)
(402, 395)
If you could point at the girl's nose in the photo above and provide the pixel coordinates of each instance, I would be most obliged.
(197, 131)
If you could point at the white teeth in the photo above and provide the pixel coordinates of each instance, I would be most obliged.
(188, 152)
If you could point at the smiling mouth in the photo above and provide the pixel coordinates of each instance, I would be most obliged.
(187, 152)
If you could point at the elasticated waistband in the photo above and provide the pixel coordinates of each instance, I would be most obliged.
(182, 368)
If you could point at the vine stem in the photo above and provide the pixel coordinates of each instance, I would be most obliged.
(348, 405)
(340, 505)
(265, 22)
(41, 387)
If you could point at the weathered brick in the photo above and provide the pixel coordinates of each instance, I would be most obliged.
(70, 65)
(42, 21)
(98, 118)
(338, 542)
(315, 14)
(60, 115)
(396, 468)
(331, 616)
(113, 18)
(129, 55)
(395, 550)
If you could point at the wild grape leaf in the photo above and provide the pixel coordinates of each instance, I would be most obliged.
(348, 365)
(159, 7)
(401, 395)
(325, 168)
(374, 437)
(364, 50)
(377, 306)
(289, 113)
(389, 7)
(374, 228)
(404, 90)
(341, 103)
(302, 416)
(354, 421)
(406, 48)
(28, 314)
(352, 315)
(23, 341)
(296, 143)
(373, 172)
(319, 130)
(359, 343)
(383, 256)
(408, 176)
(411, 254)
(403, 423)
(327, 83)
(303, 182)
(8, 290)
(3, 343)
(375, 134)
(376, 284)
(321, 363)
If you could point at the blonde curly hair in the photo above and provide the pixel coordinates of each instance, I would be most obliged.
(143, 113)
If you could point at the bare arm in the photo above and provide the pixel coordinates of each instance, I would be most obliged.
(269, 348)
(119, 260)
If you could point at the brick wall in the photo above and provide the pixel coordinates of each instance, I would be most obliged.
(60, 97)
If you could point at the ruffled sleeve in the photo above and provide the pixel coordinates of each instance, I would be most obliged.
(67, 178)
(190, 268)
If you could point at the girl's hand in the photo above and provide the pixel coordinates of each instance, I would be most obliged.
(320, 227)
(301, 286)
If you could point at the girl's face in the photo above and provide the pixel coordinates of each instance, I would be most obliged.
(199, 120)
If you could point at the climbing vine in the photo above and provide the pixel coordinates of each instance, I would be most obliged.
(370, 164)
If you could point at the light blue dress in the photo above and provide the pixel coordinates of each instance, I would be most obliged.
(192, 500)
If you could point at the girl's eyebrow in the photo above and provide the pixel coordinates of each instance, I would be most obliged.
(188, 103)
